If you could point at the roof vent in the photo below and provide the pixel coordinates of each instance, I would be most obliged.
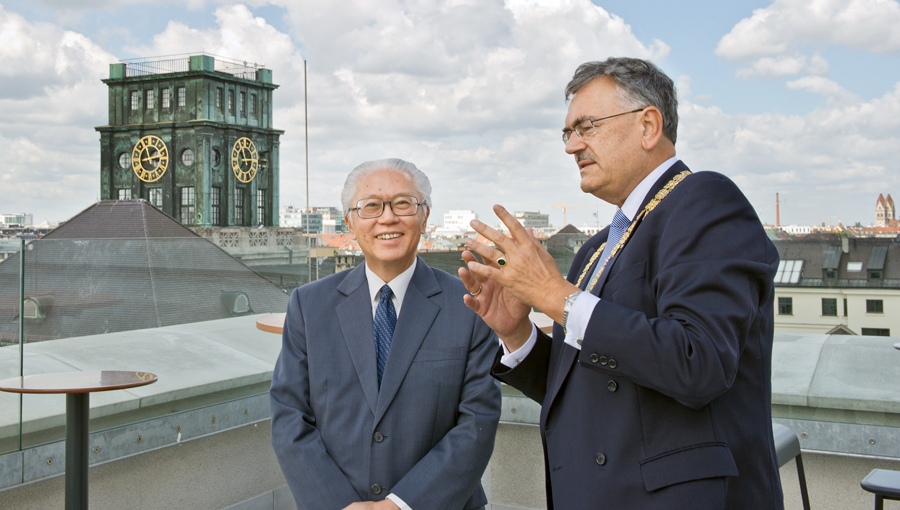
(236, 302)
(36, 307)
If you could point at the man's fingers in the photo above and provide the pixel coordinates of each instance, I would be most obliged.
(488, 254)
(516, 230)
(498, 238)
(472, 284)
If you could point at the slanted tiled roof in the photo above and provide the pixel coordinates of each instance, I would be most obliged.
(870, 253)
(569, 229)
(121, 266)
(120, 219)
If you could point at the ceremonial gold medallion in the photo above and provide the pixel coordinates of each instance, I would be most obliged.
(244, 159)
(150, 158)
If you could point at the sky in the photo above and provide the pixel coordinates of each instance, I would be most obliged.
(795, 97)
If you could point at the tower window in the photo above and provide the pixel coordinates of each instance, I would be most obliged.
(187, 205)
(219, 97)
(231, 102)
(124, 193)
(238, 206)
(243, 103)
(124, 160)
(261, 206)
(187, 157)
(180, 94)
(253, 110)
(148, 99)
(156, 197)
(166, 98)
(214, 205)
(135, 100)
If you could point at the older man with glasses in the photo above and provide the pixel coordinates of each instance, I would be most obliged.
(656, 385)
(382, 396)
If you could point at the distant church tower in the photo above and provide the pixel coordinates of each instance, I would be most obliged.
(884, 211)
(193, 136)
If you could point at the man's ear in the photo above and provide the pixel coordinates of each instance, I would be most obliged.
(425, 220)
(652, 123)
(350, 225)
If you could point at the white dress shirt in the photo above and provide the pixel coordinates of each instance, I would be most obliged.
(398, 286)
(583, 307)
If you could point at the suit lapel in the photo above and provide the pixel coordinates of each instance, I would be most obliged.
(568, 354)
(416, 317)
(355, 318)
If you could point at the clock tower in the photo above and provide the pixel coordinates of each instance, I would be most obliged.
(193, 136)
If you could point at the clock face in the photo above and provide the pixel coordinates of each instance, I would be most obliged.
(244, 159)
(150, 158)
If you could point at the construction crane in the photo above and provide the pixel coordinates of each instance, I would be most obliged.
(564, 207)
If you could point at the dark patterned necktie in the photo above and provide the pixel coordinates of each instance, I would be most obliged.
(616, 230)
(385, 320)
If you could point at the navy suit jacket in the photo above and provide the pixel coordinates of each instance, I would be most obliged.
(426, 436)
(668, 404)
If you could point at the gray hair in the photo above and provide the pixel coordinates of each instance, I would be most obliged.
(419, 179)
(639, 83)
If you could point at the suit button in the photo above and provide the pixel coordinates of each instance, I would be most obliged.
(376, 489)
(612, 386)
(594, 358)
(600, 458)
(379, 437)
(613, 363)
(603, 360)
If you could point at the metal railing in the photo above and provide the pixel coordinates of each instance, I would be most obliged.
(146, 67)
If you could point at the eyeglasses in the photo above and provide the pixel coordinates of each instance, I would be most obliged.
(587, 129)
(373, 207)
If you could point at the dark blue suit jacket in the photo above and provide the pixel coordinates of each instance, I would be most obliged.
(426, 435)
(668, 404)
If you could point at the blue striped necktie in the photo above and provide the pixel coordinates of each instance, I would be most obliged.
(616, 230)
(385, 320)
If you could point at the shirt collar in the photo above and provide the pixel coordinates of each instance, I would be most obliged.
(636, 198)
(398, 285)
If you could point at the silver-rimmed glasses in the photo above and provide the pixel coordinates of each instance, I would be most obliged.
(587, 129)
(374, 207)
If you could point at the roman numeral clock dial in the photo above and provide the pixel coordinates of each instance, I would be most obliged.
(150, 158)
(244, 159)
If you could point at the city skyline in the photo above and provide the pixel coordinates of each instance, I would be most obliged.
(789, 97)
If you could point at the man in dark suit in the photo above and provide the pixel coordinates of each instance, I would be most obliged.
(382, 396)
(656, 385)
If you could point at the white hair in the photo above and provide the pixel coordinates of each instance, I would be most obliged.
(419, 179)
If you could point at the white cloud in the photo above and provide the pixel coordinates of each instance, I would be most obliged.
(785, 65)
(825, 87)
(773, 39)
(836, 154)
(869, 25)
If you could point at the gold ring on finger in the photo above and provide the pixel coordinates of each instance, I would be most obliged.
(501, 261)
(477, 292)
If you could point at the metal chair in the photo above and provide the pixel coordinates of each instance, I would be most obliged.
(884, 483)
(787, 447)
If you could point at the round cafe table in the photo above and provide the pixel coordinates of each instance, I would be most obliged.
(77, 386)
(272, 323)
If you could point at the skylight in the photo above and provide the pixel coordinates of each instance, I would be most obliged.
(788, 271)
(854, 267)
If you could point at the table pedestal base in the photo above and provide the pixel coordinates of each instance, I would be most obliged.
(77, 414)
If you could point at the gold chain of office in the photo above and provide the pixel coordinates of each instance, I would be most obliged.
(660, 195)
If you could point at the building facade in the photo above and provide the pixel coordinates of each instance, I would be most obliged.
(322, 220)
(532, 219)
(456, 223)
(194, 137)
(16, 220)
(838, 286)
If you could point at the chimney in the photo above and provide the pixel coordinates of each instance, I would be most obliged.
(845, 244)
(777, 212)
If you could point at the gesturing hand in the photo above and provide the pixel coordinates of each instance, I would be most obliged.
(499, 309)
(529, 274)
